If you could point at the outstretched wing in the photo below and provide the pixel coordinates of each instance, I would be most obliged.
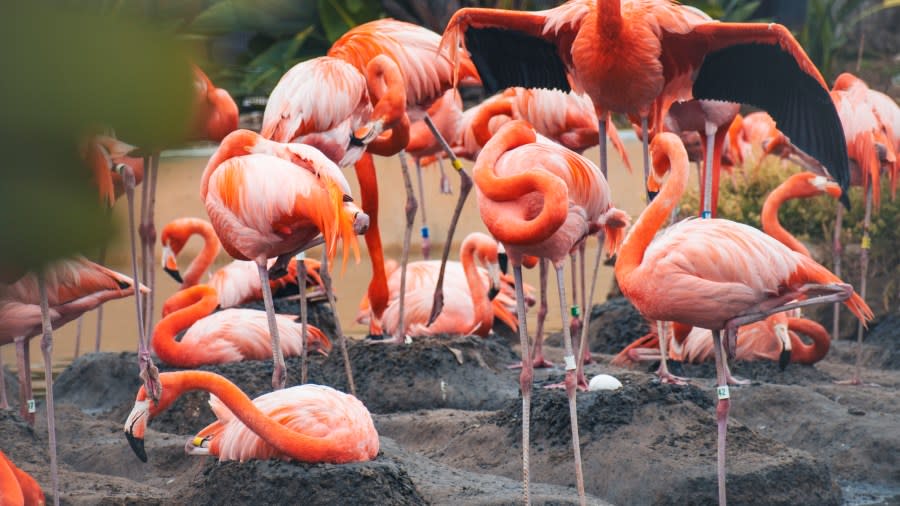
(764, 66)
(517, 48)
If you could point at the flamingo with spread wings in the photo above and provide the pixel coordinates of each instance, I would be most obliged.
(637, 57)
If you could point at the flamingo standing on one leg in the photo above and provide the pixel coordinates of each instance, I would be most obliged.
(230, 335)
(325, 103)
(715, 274)
(18, 487)
(306, 423)
(428, 75)
(263, 206)
(542, 199)
(638, 57)
(237, 282)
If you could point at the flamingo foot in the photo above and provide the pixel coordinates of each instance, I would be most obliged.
(856, 382)
(537, 363)
(446, 189)
(149, 374)
(667, 378)
(735, 381)
(398, 339)
(581, 385)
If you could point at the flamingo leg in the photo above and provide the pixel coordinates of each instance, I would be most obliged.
(526, 377)
(301, 285)
(426, 242)
(584, 353)
(446, 189)
(377, 290)
(78, 325)
(601, 128)
(722, 407)
(46, 349)
(23, 367)
(325, 274)
(575, 309)
(570, 383)
(465, 186)
(411, 206)
(539, 362)
(662, 330)
(279, 372)
(707, 181)
(148, 241)
(837, 249)
(584, 350)
(101, 258)
(864, 271)
(4, 402)
(731, 380)
(148, 371)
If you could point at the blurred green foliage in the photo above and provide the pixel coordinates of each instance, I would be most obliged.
(741, 197)
(726, 10)
(67, 72)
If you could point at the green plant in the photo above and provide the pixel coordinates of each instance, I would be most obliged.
(726, 10)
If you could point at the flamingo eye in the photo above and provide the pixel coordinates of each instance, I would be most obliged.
(348, 198)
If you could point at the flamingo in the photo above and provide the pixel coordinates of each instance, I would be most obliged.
(306, 423)
(18, 487)
(774, 339)
(325, 102)
(231, 335)
(468, 311)
(237, 282)
(637, 57)
(264, 205)
(541, 199)
(428, 74)
(714, 273)
(37, 303)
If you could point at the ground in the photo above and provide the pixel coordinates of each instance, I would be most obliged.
(448, 413)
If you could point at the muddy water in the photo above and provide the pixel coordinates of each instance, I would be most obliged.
(178, 195)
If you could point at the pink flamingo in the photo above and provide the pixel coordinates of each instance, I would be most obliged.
(714, 273)
(428, 74)
(306, 423)
(267, 199)
(237, 282)
(18, 487)
(541, 199)
(468, 310)
(343, 110)
(639, 57)
(230, 335)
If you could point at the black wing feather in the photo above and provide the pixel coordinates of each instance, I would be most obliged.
(765, 76)
(506, 58)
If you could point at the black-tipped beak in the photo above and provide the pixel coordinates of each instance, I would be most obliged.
(845, 200)
(651, 195)
(503, 260)
(175, 274)
(492, 293)
(356, 141)
(784, 359)
(137, 444)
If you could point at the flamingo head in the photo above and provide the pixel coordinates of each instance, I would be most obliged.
(781, 331)
(141, 414)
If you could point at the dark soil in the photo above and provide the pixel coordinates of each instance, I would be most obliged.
(614, 325)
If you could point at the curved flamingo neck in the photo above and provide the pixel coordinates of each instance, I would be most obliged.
(769, 217)
(506, 227)
(290, 443)
(183, 310)
(482, 314)
(387, 91)
(668, 155)
(481, 121)
(803, 353)
(207, 255)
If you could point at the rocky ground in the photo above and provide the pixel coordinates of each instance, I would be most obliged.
(449, 415)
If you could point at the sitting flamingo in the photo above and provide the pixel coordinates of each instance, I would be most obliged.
(17, 486)
(306, 423)
(231, 335)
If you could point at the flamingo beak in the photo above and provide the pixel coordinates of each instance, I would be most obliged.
(360, 223)
(502, 259)
(494, 273)
(169, 265)
(135, 426)
(363, 136)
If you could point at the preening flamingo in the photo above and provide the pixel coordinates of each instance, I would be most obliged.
(237, 282)
(428, 74)
(18, 487)
(714, 274)
(275, 205)
(230, 335)
(774, 339)
(326, 102)
(306, 423)
(541, 199)
(468, 310)
(639, 56)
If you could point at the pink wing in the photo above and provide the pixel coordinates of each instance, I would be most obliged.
(234, 335)
(313, 410)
